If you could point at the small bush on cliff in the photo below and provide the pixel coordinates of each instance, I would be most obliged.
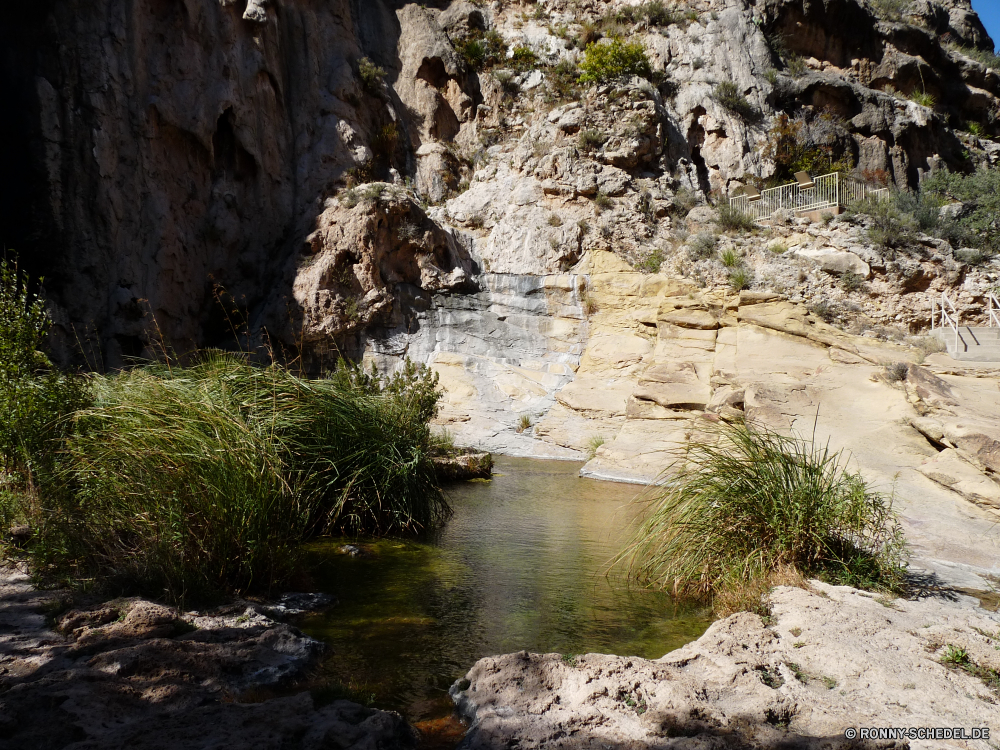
(614, 60)
(371, 76)
(729, 96)
(749, 504)
(730, 219)
(483, 50)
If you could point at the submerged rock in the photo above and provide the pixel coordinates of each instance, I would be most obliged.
(469, 465)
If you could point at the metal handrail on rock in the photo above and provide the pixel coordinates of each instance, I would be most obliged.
(829, 191)
(949, 319)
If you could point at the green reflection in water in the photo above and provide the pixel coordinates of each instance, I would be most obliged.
(521, 565)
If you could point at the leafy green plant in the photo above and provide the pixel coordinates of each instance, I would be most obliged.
(729, 96)
(483, 50)
(36, 400)
(523, 58)
(735, 509)
(602, 201)
(730, 258)
(524, 423)
(614, 61)
(890, 10)
(795, 145)
(922, 98)
(979, 192)
(652, 262)
(371, 75)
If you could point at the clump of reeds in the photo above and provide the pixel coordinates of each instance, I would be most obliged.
(750, 508)
(183, 481)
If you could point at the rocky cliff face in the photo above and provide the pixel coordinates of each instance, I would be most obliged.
(390, 180)
(163, 155)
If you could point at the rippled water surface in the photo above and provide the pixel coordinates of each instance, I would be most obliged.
(521, 565)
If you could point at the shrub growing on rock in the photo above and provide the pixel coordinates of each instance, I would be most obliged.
(614, 61)
(736, 510)
(978, 223)
(371, 75)
(729, 96)
(730, 219)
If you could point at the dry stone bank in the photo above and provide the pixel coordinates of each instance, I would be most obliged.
(832, 658)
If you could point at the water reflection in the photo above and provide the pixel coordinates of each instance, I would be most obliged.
(521, 565)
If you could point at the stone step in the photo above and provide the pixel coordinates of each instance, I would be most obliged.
(975, 343)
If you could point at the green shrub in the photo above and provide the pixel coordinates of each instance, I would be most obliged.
(602, 201)
(702, 246)
(817, 147)
(613, 61)
(523, 58)
(652, 262)
(35, 399)
(922, 98)
(483, 50)
(730, 258)
(735, 512)
(979, 223)
(740, 278)
(729, 96)
(730, 219)
(206, 478)
(890, 10)
(371, 75)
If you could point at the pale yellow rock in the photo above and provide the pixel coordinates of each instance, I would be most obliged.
(701, 319)
(615, 351)
(573, 429)
(593, 395)
(948, 469)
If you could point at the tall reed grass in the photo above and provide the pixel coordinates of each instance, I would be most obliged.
(186, 481)
(738, 511)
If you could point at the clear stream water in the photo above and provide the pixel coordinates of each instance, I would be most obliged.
(522, 564)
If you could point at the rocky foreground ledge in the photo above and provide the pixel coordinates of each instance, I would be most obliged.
(139, 675)
(830, 659)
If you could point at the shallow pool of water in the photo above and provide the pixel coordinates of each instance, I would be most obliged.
(521, 565)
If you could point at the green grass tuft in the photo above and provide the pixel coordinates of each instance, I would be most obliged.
(733, 513)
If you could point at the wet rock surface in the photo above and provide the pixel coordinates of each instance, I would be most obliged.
(133, 673)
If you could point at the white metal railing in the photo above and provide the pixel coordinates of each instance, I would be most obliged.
(949, 319)
(994, 310)
(828, 191)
